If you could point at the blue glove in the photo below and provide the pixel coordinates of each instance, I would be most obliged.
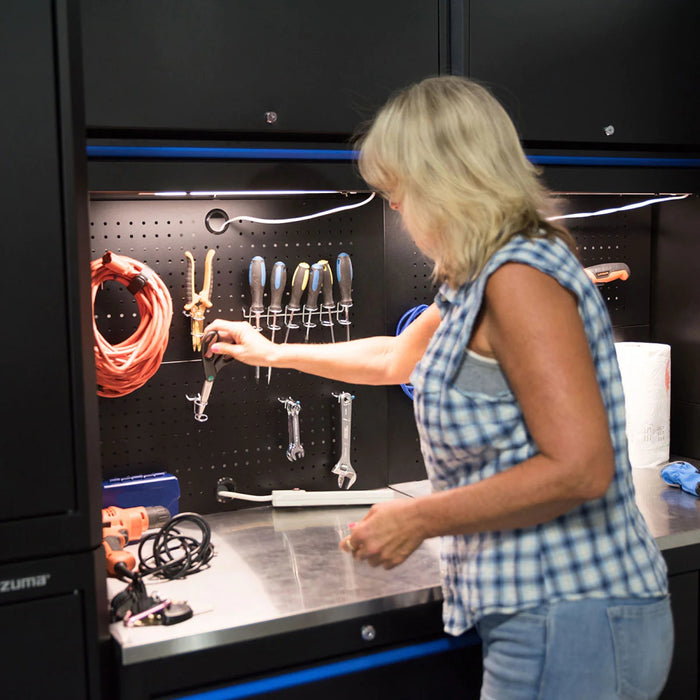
(684, 475)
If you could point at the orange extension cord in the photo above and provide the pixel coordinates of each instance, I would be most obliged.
(127, 366)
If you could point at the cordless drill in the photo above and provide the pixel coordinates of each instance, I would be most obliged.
(123, 525)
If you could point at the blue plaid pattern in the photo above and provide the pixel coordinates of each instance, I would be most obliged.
(602, 548)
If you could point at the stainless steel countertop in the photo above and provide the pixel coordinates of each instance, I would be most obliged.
(278, 570)
(673, 516)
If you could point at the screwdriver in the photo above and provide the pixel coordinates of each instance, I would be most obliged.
(256, 279)
(300, 279)
(343, 271)
(328, 302)
(278, 280)
(315, 282)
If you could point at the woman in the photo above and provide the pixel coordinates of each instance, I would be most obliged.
(520, 412)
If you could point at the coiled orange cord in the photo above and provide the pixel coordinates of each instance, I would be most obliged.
(127, 366)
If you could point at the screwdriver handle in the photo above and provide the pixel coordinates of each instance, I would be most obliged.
(300, 279)
(328, 302)
(256, 279)
(278, 281)
(343, 272)
(315, 282)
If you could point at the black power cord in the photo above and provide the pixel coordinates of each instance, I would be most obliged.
(174, 554)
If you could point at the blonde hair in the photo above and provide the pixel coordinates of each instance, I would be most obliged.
(447, 150)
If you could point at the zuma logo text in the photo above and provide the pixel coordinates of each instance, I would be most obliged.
(20, 584)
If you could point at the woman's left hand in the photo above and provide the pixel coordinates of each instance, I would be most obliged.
(386, 536)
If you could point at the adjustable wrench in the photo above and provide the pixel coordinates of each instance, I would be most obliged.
(343, 468)
(295, 450)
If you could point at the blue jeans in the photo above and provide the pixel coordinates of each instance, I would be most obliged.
(578, 650)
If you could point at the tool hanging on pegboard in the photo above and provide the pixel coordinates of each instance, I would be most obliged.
(198, 303)
(343, 469)
(313, 290)
(300, 279)
(295, 450)
(256, 280)
(607, 272)
(344, 275)
(127, 366)
(278, 281)
(212, 366)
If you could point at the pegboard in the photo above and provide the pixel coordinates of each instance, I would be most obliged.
(623, 236)
(245, 437)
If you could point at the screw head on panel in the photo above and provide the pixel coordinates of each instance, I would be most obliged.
(270, 117)
(609, 130)
(368, 633)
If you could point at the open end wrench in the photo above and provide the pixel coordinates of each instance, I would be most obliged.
(343, 468)
(295, 450)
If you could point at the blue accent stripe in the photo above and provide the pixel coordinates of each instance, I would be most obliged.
(340, 668)
(220, 153)
(630, 161)
(329, 154)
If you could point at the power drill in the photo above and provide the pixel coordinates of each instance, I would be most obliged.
(123, 525)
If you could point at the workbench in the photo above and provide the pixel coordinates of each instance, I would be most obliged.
(282, 611)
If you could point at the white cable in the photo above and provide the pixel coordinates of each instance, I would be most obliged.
(243, 496)
(255, 220)
(601, 212)
(578, 215)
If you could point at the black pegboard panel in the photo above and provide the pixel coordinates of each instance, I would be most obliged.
(245, 438)
(411, 285)
(623, 236)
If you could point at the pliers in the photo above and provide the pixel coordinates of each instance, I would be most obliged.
(212, 366)
(197, 304)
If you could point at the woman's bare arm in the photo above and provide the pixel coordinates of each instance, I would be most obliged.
(376, 360)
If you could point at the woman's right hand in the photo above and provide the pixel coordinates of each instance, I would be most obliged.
(242, 342)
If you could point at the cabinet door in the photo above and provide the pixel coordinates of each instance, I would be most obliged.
(43, 498)
(567, 72)
(311, 66)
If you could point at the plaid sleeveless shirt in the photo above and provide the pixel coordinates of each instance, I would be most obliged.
(599, 549)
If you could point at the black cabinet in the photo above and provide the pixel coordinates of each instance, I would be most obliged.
(50, 462)
(249, 67)
(51, 626)
(602, 71)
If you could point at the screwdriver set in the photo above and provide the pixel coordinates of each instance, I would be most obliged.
(316, 281)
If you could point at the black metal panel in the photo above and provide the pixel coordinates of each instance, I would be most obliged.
(682, 681)
(566, 71)
(206, 66)
(411, 286)
(117, 175)
(250, 660)
(676, 310)
(51, 626)
(48, 465)
(619, 178)
(618, 237)
(245, 438)
(29, 138)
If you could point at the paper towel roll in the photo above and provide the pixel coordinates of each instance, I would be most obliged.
(646, 382)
